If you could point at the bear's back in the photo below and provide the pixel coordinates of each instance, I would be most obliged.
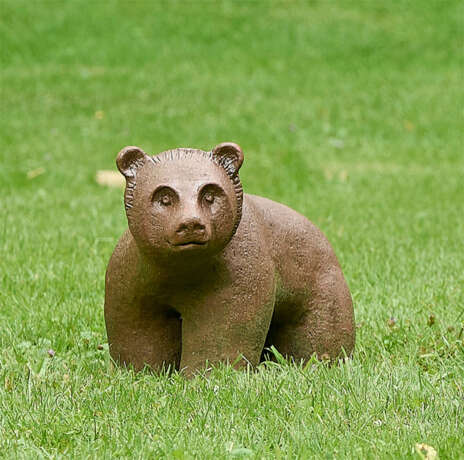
(299, 249)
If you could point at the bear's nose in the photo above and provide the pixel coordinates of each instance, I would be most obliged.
(191, 226)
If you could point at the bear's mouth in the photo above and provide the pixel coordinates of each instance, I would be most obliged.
(190, 244)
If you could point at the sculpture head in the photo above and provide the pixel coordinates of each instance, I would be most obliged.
(182, 202)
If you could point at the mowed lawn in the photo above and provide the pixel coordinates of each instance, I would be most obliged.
(349, 112)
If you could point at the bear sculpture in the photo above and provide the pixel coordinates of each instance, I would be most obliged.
(206, 274)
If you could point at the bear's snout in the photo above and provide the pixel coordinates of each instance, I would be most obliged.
(191, 226)
(190, 232)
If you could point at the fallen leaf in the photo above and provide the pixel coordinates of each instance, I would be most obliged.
(408, 125)
(391, 322)
(8, 384)
(35, 172)
(109, 178)
(431, 320)
(426, 452)
(99, 114)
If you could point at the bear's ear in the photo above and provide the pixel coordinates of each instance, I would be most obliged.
(129, 159)
(229, 155)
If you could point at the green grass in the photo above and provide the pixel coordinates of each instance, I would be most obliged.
(350, 112)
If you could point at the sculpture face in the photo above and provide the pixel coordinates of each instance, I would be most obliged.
(182, 202)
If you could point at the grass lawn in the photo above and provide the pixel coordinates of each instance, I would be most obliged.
(349, 112)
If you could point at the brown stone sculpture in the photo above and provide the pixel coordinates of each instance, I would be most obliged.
(206, 274)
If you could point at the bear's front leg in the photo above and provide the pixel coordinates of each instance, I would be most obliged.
(229, 325)
(144, 335)
(142, 330)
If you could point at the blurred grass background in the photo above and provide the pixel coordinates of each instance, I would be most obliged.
(349, 112)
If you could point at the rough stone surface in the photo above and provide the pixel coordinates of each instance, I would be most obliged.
(206, 274)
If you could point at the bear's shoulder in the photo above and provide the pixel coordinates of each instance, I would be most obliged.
(124, 258)
(288, 232)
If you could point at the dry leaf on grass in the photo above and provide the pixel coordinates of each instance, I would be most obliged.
(426, 452)
(109, 178)
(409, 125)
(35, 172)
(431, 320)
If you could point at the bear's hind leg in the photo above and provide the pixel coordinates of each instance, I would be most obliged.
(298, 341)
(322, 323)
(290, 338)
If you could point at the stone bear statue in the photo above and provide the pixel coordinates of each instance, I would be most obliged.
(205, 274)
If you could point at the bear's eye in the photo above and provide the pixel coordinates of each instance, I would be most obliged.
(164, 196)
(165, 200)
(209, 197)
(210, 194)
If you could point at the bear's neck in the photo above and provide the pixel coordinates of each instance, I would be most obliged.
(187, 267)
